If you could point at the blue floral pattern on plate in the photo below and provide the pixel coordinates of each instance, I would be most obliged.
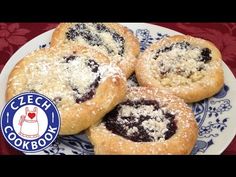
(209, 115)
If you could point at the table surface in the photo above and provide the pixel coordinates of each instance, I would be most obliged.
(223, 35)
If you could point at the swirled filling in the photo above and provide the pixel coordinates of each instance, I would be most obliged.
(97, 34)
(181, 61)
(141, 121)
(70, 77)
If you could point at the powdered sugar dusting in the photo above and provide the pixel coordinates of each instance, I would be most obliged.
(141, 121)
(174, 63)
(179, 64)
(100, 37)
(63, 77)
(110, 70)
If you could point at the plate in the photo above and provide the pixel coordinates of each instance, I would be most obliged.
(215, 116)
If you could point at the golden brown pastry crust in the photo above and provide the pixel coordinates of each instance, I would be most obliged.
(74, 117)
(182, 142)
(211, 82)
(132, 47)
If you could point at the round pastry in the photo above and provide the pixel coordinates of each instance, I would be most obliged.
(112, 39)
(75, 78)
(148, 121)
(186, 66)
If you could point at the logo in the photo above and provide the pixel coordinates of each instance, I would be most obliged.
(30, 122)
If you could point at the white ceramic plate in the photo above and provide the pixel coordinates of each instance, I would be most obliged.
(215, 116)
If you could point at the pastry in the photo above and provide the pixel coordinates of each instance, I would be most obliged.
(75, 78)
(112, 39)
(148, 121)
(187, 66)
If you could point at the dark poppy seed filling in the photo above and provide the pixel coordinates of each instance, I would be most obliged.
(94, 66)
(80, 30)
(71, 78)
(182, 59)
(116, 37)
(89, 94)
(205, 55)
(94, 38)
(69, 58)
(101, 27)
(181, 45)
(141, 121)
